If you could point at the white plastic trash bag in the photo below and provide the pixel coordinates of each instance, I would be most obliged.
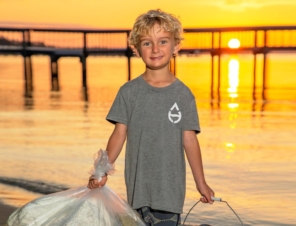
(79, 206)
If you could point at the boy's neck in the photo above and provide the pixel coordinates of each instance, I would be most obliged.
(158, 78)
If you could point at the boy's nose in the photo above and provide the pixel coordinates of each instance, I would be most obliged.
(155, 49)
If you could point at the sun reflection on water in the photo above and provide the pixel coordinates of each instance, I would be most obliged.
(233, 77)
(233, 82)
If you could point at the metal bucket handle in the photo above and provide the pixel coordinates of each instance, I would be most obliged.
(214, 199)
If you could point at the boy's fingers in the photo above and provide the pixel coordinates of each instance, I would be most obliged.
(103, 181)
(212, 194)
(210, 199)
(96, 183)
(206, 199)
(203, 199)
(93, 183)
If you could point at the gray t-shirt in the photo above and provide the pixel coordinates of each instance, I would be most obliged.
(155, 161)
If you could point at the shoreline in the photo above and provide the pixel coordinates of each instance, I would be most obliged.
(5, 211)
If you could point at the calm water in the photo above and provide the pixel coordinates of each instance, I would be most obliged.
(248, 145)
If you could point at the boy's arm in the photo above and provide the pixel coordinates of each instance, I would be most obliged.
(193, 153)
(116, 141)
(114, 147)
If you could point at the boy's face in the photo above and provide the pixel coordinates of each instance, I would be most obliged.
(157, 48)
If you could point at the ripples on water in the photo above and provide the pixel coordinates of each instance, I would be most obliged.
(248, 145)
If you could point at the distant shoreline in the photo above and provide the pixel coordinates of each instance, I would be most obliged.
(5, 211)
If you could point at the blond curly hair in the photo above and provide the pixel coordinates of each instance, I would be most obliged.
(146, 21)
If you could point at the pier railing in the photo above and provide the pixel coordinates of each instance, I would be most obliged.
(80, 43)
(252, 39)
(68, 39)
(98, 42)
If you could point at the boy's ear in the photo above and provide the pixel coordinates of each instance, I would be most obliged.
(176, 48)
(137, 53)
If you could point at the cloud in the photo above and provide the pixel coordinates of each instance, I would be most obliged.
(241, 5)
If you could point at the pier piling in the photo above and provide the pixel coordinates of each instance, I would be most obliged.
(83, 62)
(212, 76)
(219, 73)
(54, 73)
(28, 71)
(173, 65)
(254, 76)
(28, 74)
(264, 76)
(84, 78)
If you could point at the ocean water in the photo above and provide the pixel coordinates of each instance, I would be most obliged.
(248, 143)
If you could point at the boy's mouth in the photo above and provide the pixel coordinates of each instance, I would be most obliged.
(156, 58)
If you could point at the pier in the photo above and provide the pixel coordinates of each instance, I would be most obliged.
(57, 43)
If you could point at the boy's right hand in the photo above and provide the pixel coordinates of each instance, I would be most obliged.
(94, 183)
(206, 193)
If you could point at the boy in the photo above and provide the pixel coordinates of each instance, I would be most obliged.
(157, 114)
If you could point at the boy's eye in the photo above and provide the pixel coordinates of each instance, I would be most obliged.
(146, 43)
(163, 41)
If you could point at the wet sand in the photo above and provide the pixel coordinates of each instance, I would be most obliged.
(13, 197)
(5, 211)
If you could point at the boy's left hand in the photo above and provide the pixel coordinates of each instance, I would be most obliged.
(206, 192)
(94, 183)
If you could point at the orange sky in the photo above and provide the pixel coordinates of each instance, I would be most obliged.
(122, 13)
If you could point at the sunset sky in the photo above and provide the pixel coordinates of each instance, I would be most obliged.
(122, 13)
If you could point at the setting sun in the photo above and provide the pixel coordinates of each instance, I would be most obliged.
(234, 43)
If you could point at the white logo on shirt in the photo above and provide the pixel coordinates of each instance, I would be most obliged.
(175, 118)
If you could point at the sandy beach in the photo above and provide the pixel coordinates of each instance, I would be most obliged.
(5, 211)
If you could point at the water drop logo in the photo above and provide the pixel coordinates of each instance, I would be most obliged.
(175, 114)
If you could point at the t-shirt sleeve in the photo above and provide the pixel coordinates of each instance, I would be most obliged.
(191, 121)
(118, 110)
